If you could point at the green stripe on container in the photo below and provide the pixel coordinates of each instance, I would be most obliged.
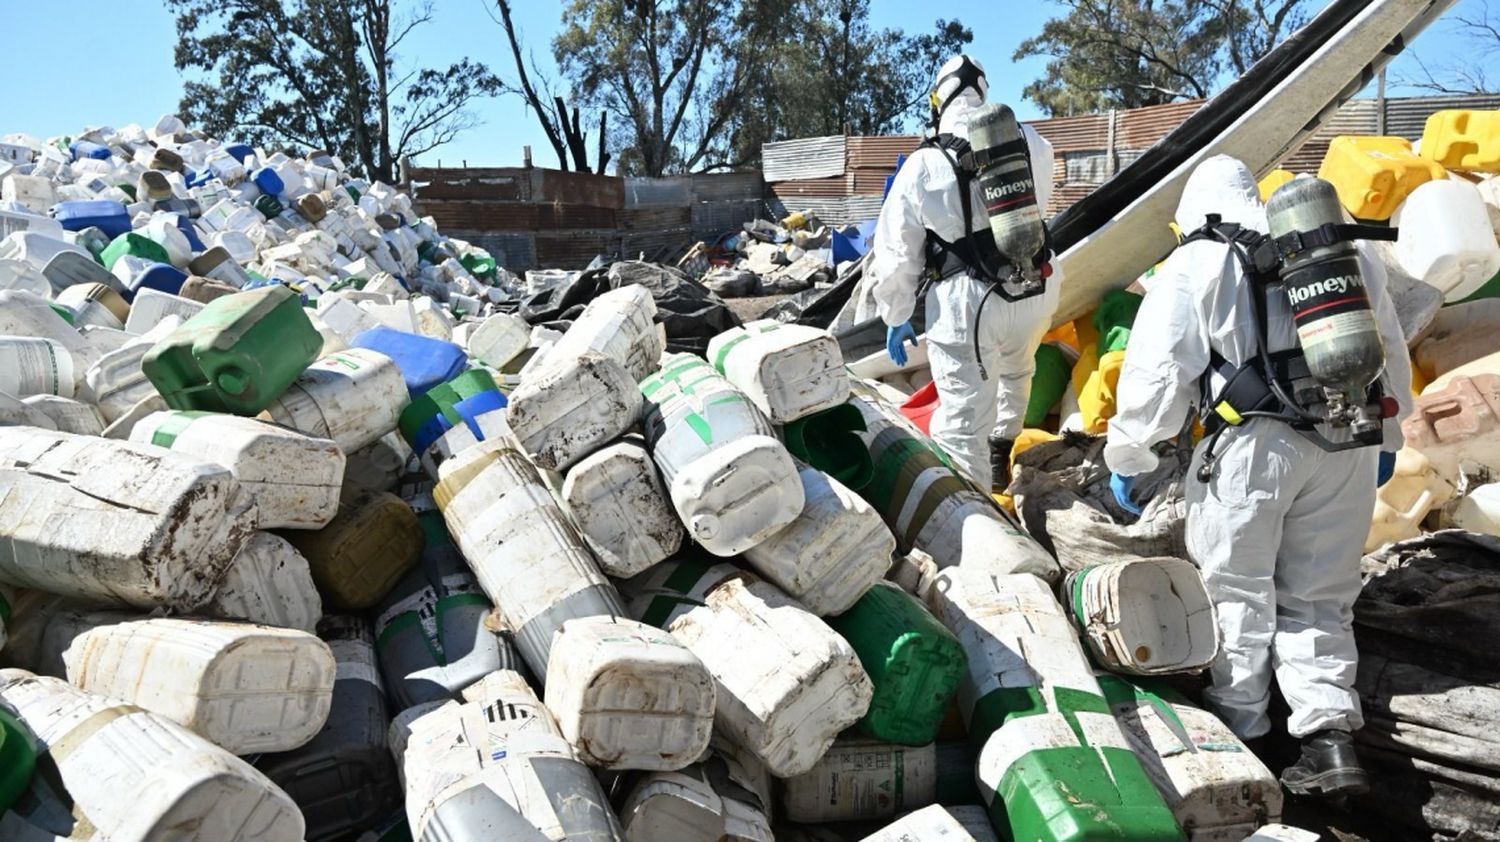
(725, 349)
(1118, 690)
(688, 573)
(1081, 793)
(888, 465)
(176, 421)
(4, 610)
(933, 496)
(999, 705)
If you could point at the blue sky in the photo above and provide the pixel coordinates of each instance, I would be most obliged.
(110, 62)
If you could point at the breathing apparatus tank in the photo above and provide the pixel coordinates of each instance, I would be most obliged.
(1330, 305)
(1002, 165)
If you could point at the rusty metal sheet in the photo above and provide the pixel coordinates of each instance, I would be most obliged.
(480, 216)
(1141, 128)
(573, 250)
(652, 219)
(879, 152)
(466, 184)
(1074, 134)
(572, 217)
(572, 188)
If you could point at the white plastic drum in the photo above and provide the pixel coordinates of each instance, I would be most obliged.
(789, 371)
(621, 508)
(619, 324)
(32, 365)
(571, 407)
(270, 583)
(353, 397)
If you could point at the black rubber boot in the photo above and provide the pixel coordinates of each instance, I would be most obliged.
(1328, 767)
(1000, 463)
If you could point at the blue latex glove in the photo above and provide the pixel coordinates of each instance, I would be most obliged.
(1122, 487)
(894, 337)
(1387, 468)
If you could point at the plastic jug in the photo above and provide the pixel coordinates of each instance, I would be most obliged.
(460, 402)
(629, 696)
(360, 555)
(133, 774)
(353, 397)
(913, 662)
(1459, 334)
(1446, 239)
(1457, 424)
(27, 314)
(116, 522)
(571, 407)
(69, 416)
(1463, 140)
(129, 243)
(1374, 174)
(294, 478)
(95, 304)
(31, 365)
(715, 799)
(1476, 511)
(732, 483)
(115, 382)
(1149, 616)
(1273, 180)
(834, 550)
(108, 216)
(787, 371)
(33, 191)
(497, 340)
(424, 361)
(619, 324)
(237, 355)
(620, 507)
(860, 779)
(268, 582)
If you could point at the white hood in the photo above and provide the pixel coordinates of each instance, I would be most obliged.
(955, 120)
(1225, 186)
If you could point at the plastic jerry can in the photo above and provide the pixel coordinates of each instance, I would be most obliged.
(1463, 140)
(1213, 784)
(629, 696)
(1149, 616)
(787, 684)
(619, 324)
(1053, 762)
(1374, 174)
(930, 507)
(34, 192)
(835, 549)
(245, 688)
(133, 774)
(353, 397)
(617, 500)
(498, 339)
(31, 365)
(528, 784)
(860, 779)
(1446, 240)
(914, 664)
(67, 415)
(115, 383)
(28, 314)
(432, 631)
(424, 361)
(458, 402)
(95, 304)
(150, 307)
(204, 290)
(1457, 424)
(105, 214)
(17, 759)
(343, 780)
(1458, 335)
(116, 522)
(134, 245)
(712, 800)
(1415, 489)
(934, 823)
(360, 555)
(237, 355)
(1476, 511)
(269, 583)
(529, 559)
(787, 371)
(294, 478)
(571, 407)
(731, 481)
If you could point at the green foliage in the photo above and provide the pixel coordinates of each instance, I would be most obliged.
(304, 74)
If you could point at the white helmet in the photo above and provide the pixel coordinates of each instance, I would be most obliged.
(958, 74)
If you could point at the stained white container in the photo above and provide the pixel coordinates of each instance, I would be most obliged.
(268, 582)
(1476, 511)
(69, 416)
(353, 397)
(619, 324)
(136, 775)
(114, 521)
(629, 696)
(832, 553)
(495, 341)
(789, 371)
(1414, 490)
(94, 304)
(1459, 335)
(245, 688)
(529, 559)
(26, 314)
(31, 365)
(930, 824)
(861, 780)
(620, 506)
(731, 481)
(115, 381)
(1446, 239)
(1150, 616)
(716, 799)
(571, 407)
(150, 306)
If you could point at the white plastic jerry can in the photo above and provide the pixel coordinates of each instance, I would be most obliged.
(1416, 488)
(497, 340)
(860, 779)
(731, 481)
(789, 371)
(1150, 616)
(116, 522)
(115, 382)
(244, 687)
(136, 775)
(1446, 239)
(718, 798)
(69, 416)
(1477, 511)
(619, 324)
(933, 823)
(28, 314)
(832, 553)
(629, 696)
(571, 407)
(620, 506)
(33, 365)
(269, 583)
(353, 397)
(528, 558)
(294, 478)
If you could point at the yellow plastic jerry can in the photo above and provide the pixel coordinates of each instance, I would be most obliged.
(1463, 141)
(1373, 175)
(1273, 180)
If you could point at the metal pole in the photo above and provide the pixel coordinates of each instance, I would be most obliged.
(1380, 103)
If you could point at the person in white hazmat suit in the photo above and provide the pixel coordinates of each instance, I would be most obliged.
(982, 352)
(1279, 526)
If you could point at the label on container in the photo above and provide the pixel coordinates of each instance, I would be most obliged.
(35, 366)
(864, 781)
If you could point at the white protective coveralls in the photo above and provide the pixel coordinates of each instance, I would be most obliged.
(924, 197)
(1279, 529)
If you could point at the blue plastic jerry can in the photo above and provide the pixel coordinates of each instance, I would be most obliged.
(107, 215)
(162, 277)
(424, 362)
(81, 149)
(239, 151)
(268, 181)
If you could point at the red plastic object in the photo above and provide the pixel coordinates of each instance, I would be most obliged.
(919, 407)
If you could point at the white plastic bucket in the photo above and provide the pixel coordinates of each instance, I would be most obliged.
(294, 478)
(67, 415)
(1414, 490)
(497, 340)
(353, 397)
(1446, 239)
(731, 481)
(571, 407)
(621, 508)
(619, 324)
(629, 696)
(243, 687)
(1150, 616)
(860, 780)
(31, 365)
(832, 553)
(789, 371)
(528, 558)
(114, 521)
(268, 582)
(136, 775)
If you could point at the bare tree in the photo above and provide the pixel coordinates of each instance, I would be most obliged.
(1469, 73)
(562, 127)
